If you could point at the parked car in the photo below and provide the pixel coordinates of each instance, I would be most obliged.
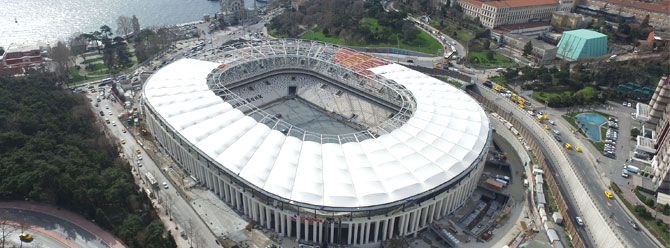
(579, 221)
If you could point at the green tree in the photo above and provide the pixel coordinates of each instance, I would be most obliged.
(490, 55)
(527, 49)
(649, 201)
(634, 132)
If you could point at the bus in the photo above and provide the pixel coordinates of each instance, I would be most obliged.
(151, 179)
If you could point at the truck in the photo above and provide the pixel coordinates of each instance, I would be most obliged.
(151, 179)
(632, 169)
(494, 184)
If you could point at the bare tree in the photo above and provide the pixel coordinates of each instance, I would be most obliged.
(136, 26)
(124, 25)
(5, 232)
(60, 54)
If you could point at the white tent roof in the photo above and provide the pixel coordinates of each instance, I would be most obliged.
(444, 137)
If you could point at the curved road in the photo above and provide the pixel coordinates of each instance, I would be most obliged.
(53, 227)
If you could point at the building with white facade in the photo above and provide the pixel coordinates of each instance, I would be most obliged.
(496, 13)
(656, 116)
(418, 155)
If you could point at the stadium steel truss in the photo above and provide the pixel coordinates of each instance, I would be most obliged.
(391, 179)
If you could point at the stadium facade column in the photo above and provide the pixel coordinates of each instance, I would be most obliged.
(278, 222)
(238, 199)
(319, 238)
(314, 231)
(289, 225)
(226, 192)
(355, 233)
(268, 215)
(349, 233)
(306, 230)
(391, 228)
(377, 223)
(332, 232)
(385, 229)
(297, 228)
(367, 232)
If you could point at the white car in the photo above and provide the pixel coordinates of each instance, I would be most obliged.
(113, 123)
(139, 157)
(579, 221)
(630, 105)
(165, 185)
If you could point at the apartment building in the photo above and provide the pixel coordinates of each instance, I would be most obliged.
(658, 11)
(657, 117)
(496, 13)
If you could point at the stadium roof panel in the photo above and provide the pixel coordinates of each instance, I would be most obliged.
(444, 137)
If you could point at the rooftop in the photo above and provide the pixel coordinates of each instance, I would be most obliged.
(585, 33)
(661, 6)
(520, 3)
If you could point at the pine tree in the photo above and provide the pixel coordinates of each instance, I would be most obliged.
(527, 49)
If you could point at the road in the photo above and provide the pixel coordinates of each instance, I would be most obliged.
(596, 175)
(185, 218)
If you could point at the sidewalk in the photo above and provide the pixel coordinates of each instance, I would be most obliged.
(630, 196)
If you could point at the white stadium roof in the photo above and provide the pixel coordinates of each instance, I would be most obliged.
(445, 136)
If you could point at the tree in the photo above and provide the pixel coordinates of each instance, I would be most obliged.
(6, 231)
(527, 49)
(490, 55)
(136, 26)
(649, 201)
(124, 26)
(60, 54)
(106, 32)
(645, 22)
(2, 51)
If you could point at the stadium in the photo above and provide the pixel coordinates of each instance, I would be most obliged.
(318, 142)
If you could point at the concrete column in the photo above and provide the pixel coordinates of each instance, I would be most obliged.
(253, 207)
(297, 229)
(332, 232)
(268, 217)
(366, 237)
(245, 205)
(349, 234)
(278, 222)
(226, 192)
(314, 232)
(288, 224)
(355, 233)
(307, 230)
(401, 225)
(437, 210)
(417, 216)
(391, 228)
(424, 216)
(374, 239)
(320, 233)
(385, 229)
(238, 200)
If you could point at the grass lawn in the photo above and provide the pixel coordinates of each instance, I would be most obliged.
(423, 43)
(497, 79)
(95, 67)
(544, 96)
(499, 60)
(452, 30)
(603, 133)
(93, 53)
(76, 77)
(274, 33)
(600, 146)
(452, 82)
(88, 61)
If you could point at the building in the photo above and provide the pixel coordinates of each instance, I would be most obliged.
(530, 29)
(582, 43)
(655, 141)
(234, 12)
(392, 178)
(20, 57)
(496, 13)
(660, 40)
(658, 11)
(542, 51)
(562, 20)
